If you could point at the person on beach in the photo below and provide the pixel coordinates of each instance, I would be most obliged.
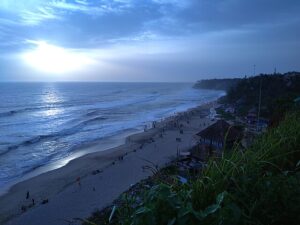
(33, 203)
(27, 195)
(78, 181)
(45, 201)
(23, 208)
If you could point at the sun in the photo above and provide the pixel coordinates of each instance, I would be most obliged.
(55, 60)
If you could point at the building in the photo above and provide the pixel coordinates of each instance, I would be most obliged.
(297, 101)
(252, 116)
(219, 134)
(230, 110)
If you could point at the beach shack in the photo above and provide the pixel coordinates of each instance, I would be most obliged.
(262, 124)
(230, 110)
(202, 152)
(251, 116)
(219, 134)
(297, 101)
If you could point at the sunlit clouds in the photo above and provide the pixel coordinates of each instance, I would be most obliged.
(55, 60)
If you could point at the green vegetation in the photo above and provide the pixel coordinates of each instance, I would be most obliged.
(217, 84)
(277, 93)
(259, 185)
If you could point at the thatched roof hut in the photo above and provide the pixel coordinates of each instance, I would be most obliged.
(218, 132)
(201, 152)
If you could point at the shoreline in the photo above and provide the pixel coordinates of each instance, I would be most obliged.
(102, 144)
(50, 184)
(99, 146)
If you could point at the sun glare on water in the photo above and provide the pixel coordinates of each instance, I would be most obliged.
(56, 60)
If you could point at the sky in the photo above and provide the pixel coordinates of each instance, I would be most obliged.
(146, 40)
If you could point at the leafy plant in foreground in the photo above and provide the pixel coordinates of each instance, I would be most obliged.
(260, 185)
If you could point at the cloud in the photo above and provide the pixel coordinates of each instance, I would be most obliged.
(34, 12)
(175, 3)
(149, 32)
(39, 15)
(80, 6)
(83, 22)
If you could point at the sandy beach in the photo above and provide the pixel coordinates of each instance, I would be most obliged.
(93, 181)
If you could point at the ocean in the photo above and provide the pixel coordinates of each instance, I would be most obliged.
(43, 123)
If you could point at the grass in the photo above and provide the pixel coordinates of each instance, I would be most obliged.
(260, 185)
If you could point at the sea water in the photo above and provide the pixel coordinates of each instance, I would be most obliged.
(41, 123)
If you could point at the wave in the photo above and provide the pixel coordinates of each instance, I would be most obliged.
(30, 141)
(120, 103)
(92, 113)
(118, 92)
(59, 155)
(94, 116)
(12, 112)
(66, 132)
(29, 109)
(109, 105)
(83, 120)
(51, 106)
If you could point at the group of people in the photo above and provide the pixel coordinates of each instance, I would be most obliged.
(23, 207)
(32, 203)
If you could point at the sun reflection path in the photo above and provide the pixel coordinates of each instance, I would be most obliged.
(51, 100)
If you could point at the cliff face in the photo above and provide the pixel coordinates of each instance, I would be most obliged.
(278, 92)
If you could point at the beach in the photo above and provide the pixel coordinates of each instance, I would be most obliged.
(93, 181)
